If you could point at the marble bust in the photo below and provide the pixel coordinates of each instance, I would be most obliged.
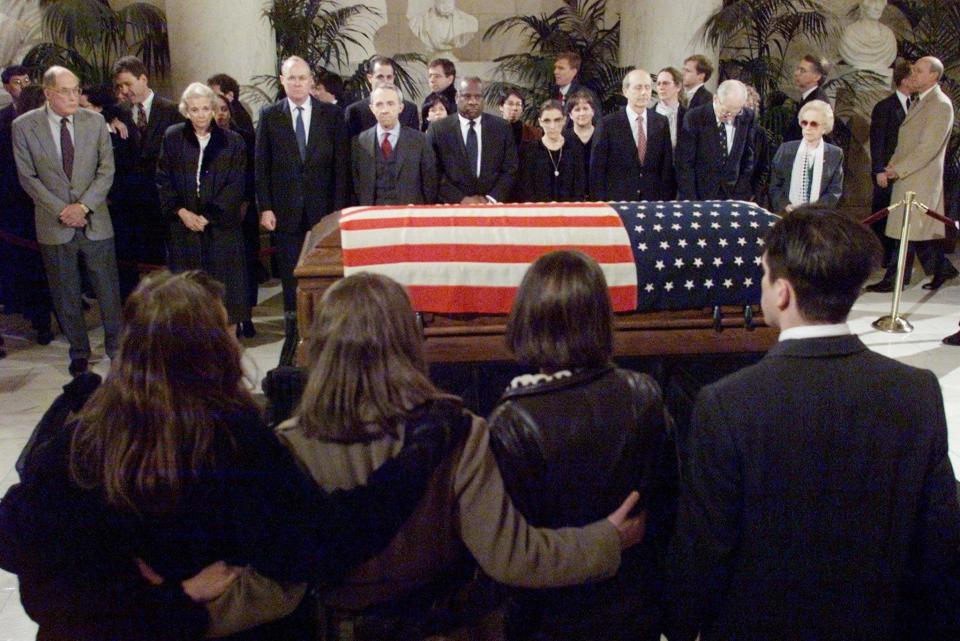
(867, 43)
(442, 26)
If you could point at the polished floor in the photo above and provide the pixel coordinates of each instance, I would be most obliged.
(31, 377)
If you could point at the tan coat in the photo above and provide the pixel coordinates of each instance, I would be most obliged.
(918, 160)
(465, 503)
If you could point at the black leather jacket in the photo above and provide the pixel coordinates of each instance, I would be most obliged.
(570, 449)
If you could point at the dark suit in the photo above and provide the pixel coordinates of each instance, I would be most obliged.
(701, 96)
(615, 169)
(704, 171)
(415, 180)
(885, 122)
(793, 131)
(299, 192)
(831, 182)
(817, 502)
(359, 117)
(498, 159)
(149, 227)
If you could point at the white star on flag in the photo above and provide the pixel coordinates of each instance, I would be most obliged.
(701, 242)
(738, 260)
(682, 242)
(708, 283)
(675, 227)
(668, 286)
(649, 287)
(678, 262)
(760, 242)
(660, 215)
(728, 282)
(747, 282)
(715, 225)
(741, 241)
(664, 244)
(758, 260)
(660, 266)
(754, 224)
(698, 262)
(638, 229)
(723, 242)
(735, 225)
(717, 262)
(642, 247)
(658, 227)
(694, 225)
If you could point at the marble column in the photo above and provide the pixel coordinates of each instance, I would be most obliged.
(661, 33)
(217, 37)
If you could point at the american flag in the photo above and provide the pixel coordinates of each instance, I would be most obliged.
(696, 254)
(471, 258)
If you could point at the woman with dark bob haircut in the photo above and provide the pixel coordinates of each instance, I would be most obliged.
(368, 384)
(125, 515)
(572, 438)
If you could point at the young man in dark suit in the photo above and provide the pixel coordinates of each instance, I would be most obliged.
(392, 164)
(715, 154)
(358, 115)
(476, 155)
(817, 500)
(885, 122)
(632, 157)
(696, 71)
(441, 76)
(809, 75)
(152, 114)
(302, 174)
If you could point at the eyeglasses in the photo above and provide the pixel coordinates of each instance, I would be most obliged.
(809, 123)
(68, 91)
(20, 82)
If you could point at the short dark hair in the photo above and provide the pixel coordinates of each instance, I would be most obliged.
(13, 70)
(820, 65)
(100, 95)
(901, 71)
(330, 81)
(826, 257)
(32, 97)
(227, 84)
(379, 60)
(579, 96)
(572, 57)
(430, 101)
(562, 316)
(508, 91)
(703, 64)
(449, 69)
(131, 64)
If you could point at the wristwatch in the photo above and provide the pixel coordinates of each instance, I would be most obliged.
(86, 210)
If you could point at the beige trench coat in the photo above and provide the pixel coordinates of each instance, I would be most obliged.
(918, 160)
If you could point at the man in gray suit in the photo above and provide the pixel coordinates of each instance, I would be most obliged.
(65, 161)
(392, 164)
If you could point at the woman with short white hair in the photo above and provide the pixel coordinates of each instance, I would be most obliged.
(809, 170)
(200, 178)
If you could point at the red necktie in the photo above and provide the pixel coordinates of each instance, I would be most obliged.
(641, 140)
(386, 147)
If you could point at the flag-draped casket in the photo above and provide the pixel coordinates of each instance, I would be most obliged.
(669, 266)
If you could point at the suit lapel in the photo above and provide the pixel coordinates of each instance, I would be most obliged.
(400, 153)
(627, 131)
(41, 129)
(314, 139)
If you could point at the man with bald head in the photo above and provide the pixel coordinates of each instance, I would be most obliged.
(476, 154)
(632, 157)
(917, 165)
(302, 174)
(65, 162)
(715, 153)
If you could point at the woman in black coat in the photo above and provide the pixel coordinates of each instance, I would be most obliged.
(573, 437)
(201, 177)
(551, 168)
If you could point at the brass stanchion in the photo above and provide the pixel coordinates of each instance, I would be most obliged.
(894, 323)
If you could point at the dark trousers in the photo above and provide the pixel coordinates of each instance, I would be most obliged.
(288, 252)
(251, 251)
(62, 264)
(931, 255)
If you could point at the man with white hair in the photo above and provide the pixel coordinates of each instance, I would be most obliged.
(302, 174)
(632, 157)
(715, 147)
(392, 164)
(65, 161)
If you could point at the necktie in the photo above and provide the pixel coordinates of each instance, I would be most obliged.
(912, 100)
(66, 148)
(141, 117)
(641, 140)
(807, 177)
(473, 148)
(722, 130)
(386, 147)
(301, 135)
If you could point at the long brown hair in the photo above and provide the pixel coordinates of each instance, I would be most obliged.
(152, 425)
(367, 369)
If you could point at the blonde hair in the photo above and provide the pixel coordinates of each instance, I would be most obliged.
(197, 90)
(824, 108)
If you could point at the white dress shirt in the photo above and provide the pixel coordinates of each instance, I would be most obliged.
(54, 121)
(393, 133)
(815, 331)
(464, 128)
(307, 107)
(731, 132)
(147, 105)
(632, 117)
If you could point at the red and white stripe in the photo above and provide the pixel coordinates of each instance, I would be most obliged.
(470, 259)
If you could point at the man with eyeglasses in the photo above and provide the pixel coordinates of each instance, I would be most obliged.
(715, 147)
(808, 77)
(65, 161)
